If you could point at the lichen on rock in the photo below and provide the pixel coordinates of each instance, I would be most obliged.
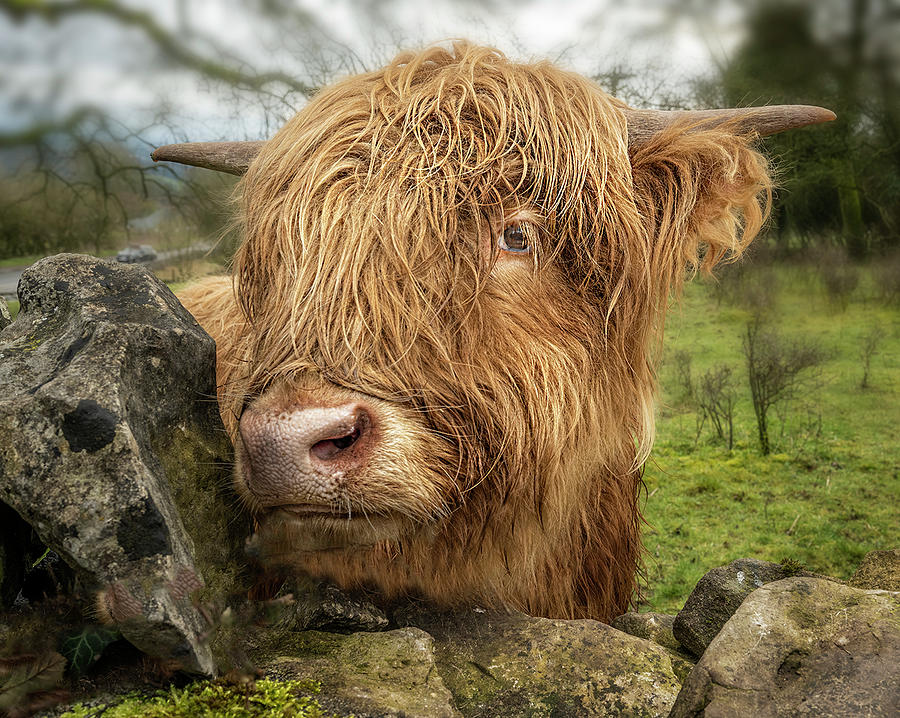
(717, 596)
(801, 646)
(111, 447)
(878, 570)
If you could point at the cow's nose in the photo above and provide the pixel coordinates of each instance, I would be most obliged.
(298, 455)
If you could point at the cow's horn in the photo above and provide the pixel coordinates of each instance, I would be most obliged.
(231, 157)
(235, 157)
(644, 124)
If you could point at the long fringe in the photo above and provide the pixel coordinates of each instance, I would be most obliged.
(528, 391)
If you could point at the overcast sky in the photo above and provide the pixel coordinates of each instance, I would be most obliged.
(48, 69)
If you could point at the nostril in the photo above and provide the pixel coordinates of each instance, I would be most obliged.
(333, 447)
(329, 448)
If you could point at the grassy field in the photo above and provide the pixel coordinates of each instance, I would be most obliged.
(29, 259)
(829, 491)
(827, 494)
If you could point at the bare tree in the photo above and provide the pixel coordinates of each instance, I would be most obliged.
(868, 347)
(777, 370)
(77, 175)
(684, 376)
(716, 396)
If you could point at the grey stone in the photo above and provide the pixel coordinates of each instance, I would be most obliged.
(657, 627)
(367, 674)
(801, 647)
(717, 596)
(112, 449)
(509, 664)
(5, 316)
(319, 606)
(878, 570)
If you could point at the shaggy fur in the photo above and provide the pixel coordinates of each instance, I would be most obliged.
(518, 390)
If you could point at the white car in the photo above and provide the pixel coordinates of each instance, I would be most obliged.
(136, 255)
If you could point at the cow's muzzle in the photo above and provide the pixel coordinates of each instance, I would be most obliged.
(300, 458)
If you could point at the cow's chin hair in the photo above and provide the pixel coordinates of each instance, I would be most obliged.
(283, 538)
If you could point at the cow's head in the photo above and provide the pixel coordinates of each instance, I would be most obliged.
(452, 274)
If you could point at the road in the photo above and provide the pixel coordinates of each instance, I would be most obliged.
(9, 278)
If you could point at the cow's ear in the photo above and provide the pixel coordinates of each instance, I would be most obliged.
(703, 193)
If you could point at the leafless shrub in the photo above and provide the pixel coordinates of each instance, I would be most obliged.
(777, 370)
(839, 276)
(747, 286)
(868, 347)
(749, 283)
(886, 274)
(716, 396)
(683, 361)
(803, 442)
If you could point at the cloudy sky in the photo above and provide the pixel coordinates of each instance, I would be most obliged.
(84, 59)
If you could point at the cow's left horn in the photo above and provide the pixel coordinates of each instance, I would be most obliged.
(231, 157)
(768, 120)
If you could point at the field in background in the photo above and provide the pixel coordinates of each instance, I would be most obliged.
(829, 492)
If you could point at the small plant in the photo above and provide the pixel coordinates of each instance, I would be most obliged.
(887, 278)
(868, 347)
(776, 369)
(754, 287)
(683, 375)
(792, 566)
(839, 276)
(716, 396)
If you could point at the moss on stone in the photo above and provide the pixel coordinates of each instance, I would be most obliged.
(193, 458)
(310, 643)
(292, 699)
(879, 570)
(792, 567)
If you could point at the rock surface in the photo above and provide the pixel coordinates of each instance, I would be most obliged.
(801, 647)
(717, 596)
(657, 627)
(320, 606)
(514, 665)
(111, 447)
(878, 570)
(367, 674)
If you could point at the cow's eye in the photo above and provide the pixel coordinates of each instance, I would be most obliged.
(515, 239)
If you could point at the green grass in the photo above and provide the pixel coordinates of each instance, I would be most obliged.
(825, 496)
(29, 259)
(24, 261)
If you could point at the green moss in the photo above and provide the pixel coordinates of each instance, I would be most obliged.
(791, 566)
(214, 699)
(193, 458)
(803, 615)
(305, 643)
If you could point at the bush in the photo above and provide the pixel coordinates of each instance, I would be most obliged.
(683, 376)
(716, 397)
(777, 371)
(839, 276)
(868, 347)
(887, 278)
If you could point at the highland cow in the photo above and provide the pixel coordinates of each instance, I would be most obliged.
(435, 355)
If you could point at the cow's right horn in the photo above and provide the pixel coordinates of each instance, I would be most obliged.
(231, 157)
(766, 120)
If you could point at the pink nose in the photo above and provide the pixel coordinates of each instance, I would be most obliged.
(300, 455)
